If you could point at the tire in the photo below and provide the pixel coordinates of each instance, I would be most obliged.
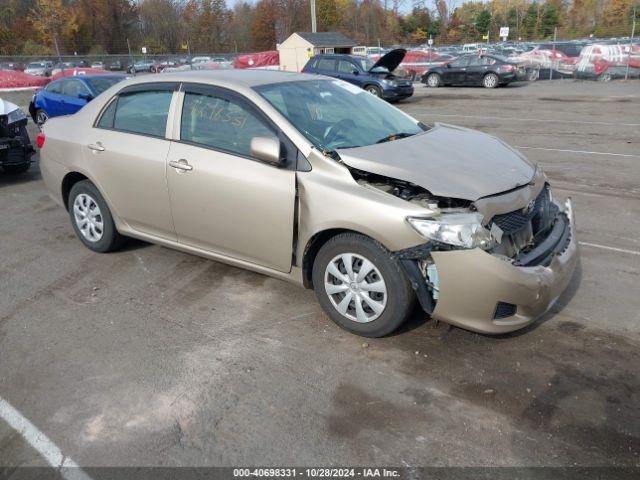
(433, 80)
(373, 90)
(15, 169)
(41, 117)
(393, 300)
(605, 77)
(85, 197)
(490, 80)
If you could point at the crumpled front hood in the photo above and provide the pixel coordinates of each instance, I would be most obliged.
(7, 107)
(447, 161)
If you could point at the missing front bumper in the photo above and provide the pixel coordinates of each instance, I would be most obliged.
(474, 285)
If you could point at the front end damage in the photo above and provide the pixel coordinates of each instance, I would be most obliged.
(15, 147)
(506, 283)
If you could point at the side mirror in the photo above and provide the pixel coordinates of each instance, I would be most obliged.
(266, 149)
(448, 65)
(85, 96)
(356, 72)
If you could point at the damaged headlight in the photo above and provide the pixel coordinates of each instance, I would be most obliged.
(15, 116)
(462, 230)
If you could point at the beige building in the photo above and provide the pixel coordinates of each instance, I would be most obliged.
(296, 50)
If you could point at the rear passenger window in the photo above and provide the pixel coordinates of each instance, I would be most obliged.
(327, 64)
(142, 112)
(106, 120)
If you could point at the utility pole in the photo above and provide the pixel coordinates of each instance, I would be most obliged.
(55, 42)
(313, 16)
(555, 36)
(133, 67)
(633, 32)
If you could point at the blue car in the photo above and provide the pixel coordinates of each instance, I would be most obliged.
(69, 94)
(374, 77)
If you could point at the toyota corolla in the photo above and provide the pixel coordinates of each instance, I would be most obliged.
(315, 181)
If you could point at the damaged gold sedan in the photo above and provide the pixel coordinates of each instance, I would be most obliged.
(315, 181)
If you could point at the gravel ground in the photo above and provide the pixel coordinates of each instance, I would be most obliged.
(153, 357)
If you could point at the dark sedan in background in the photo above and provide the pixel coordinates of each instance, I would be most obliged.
(69, 94)
(489, 71)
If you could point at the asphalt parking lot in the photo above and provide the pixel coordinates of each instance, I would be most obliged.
(153, 357)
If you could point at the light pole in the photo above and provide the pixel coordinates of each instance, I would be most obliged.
(633, 32)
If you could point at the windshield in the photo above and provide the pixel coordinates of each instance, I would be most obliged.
(35, 65)
(100, 84)
(334, 114)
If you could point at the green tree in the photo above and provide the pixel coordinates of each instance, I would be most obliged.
(482, 21)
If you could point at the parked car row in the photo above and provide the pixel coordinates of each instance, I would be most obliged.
(393, 209)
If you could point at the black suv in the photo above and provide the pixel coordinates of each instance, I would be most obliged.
(374, 77)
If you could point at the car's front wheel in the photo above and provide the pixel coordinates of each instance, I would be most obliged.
(41, 117)
(91, 218)
(360, 286)
(373, 90)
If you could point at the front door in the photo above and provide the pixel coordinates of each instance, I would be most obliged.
(71, 96)
(223, 200)
(348, 72)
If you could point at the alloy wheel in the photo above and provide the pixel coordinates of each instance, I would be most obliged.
(355, 287)
(433, 80)
(491, 80)
(88, 217)
(41, 117)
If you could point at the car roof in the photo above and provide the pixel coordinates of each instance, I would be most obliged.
(340, 55)
(247, 78)
(89, 76)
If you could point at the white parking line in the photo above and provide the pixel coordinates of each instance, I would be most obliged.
(40, 442)
(584, 152)
(539, 120)
(613, 249)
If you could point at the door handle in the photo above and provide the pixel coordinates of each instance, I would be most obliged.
(181, 164)
(96, 147)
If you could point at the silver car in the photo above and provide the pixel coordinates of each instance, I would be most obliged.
(41, 69)
(314, 181)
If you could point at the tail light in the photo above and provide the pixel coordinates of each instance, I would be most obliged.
(508, 68)
(40, 140)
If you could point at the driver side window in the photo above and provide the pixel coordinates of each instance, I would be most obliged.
(346, 67)
(221, 122)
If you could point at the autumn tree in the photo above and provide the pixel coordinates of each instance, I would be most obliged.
(263, 31)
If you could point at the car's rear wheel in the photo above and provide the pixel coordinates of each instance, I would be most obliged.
(91, 218)
(490, 80)
(41, 117)
(373, 90)
(360, 286)
(434, 80)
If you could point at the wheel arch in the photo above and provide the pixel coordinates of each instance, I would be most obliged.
(69, 180)
(315, 243)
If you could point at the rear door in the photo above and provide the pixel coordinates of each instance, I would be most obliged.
(52, 98)
(456, 71)
(476, 70)
(127, 149)
(223, 200)
(326, 66)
